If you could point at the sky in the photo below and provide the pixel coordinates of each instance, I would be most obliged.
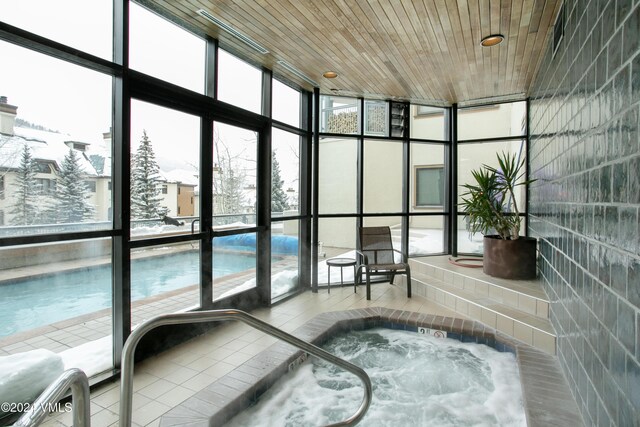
(77, 101)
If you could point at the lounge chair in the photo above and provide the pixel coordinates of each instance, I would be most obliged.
(376, 257)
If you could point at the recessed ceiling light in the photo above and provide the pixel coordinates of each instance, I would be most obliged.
(330, 74)
(492, 40)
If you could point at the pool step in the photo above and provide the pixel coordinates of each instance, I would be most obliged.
(517, 308)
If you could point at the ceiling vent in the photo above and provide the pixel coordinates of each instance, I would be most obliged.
(298, 73)
(235, 33)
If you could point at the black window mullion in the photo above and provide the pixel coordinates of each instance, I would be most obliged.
(452, 182)
(121, 175)
(314, 197)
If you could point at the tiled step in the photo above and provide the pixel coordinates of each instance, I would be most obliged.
(520, 315)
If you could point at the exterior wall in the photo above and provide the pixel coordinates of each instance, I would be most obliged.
(102, 199)
(170, 200)
(585, 154)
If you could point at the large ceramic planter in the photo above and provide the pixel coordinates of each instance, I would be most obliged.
(510, 259)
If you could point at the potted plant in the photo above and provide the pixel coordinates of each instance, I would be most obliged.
(490, 206)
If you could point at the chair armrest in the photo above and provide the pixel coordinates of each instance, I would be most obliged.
(363, 257)
(402, 256)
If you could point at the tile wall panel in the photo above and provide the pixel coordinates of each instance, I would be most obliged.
(584, 206)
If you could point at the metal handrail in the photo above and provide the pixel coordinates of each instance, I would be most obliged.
(126, 373)
(74, 379)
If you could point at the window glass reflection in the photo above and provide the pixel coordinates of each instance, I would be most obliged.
(239, 83)
(161, 49)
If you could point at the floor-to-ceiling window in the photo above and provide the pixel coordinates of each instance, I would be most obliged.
(428, 170)
(484, 132)
(132, 186)
(381, 163)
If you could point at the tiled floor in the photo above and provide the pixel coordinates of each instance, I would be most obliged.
(164, 381)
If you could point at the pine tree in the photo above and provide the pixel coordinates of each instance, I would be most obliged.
(145, 183)
(278, 196)
(24, 211)
(72, 193)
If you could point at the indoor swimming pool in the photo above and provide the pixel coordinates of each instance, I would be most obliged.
(42, 300)
(417, 380)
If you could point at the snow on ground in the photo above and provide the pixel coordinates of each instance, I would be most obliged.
(23, 376)
(92, 357)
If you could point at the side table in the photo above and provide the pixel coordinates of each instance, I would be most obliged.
(341, 262)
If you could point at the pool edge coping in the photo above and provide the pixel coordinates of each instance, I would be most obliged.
(546, 395)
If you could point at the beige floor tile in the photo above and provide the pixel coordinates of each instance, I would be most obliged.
(149, 413)
(175, 396)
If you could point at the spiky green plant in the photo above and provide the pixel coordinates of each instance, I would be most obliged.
(490, 203)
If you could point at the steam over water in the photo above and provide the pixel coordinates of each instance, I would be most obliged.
(417, 380)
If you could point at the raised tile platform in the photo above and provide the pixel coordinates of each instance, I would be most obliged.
(518, 308)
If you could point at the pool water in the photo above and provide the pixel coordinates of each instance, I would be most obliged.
(27, 304)
(418, 380)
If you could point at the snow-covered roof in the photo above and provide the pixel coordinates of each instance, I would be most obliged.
(187, 177)
(45, 146)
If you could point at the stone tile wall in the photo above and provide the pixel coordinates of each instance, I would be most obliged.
(585, 154)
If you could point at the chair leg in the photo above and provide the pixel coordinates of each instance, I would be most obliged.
(355, 282)
(408, 282)
(366, 272)
(393, 276)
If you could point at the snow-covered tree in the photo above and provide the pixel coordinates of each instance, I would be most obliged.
(25, 194)
(145, 183)
(278, 196)
(72, 193)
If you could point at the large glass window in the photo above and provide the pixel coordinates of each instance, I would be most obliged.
(382, 176)
(492, 121)
(235, 159)
(472, 156)
(70, 22)
(286, 104)
(239, 83)
(234, 264)
(165, 159)
(55, 119)
(336, 238)
(285, 173)
(162, 49)
(340, 115)
(65, 309)
(338, 170)
(426, 235)
(164, 279)
(284, 257)
(429, 122)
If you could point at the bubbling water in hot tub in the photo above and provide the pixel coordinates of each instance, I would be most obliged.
(418, 380)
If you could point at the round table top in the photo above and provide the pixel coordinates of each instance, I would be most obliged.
(341, 261)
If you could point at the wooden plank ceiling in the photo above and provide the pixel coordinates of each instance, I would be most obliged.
(421, 50)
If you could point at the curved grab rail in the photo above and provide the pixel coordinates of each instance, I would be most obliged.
(126, 372)
(74, 379)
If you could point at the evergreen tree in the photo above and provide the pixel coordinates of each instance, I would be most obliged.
(72, 193)
(145, 183)
(25, 209)
(278, 196)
